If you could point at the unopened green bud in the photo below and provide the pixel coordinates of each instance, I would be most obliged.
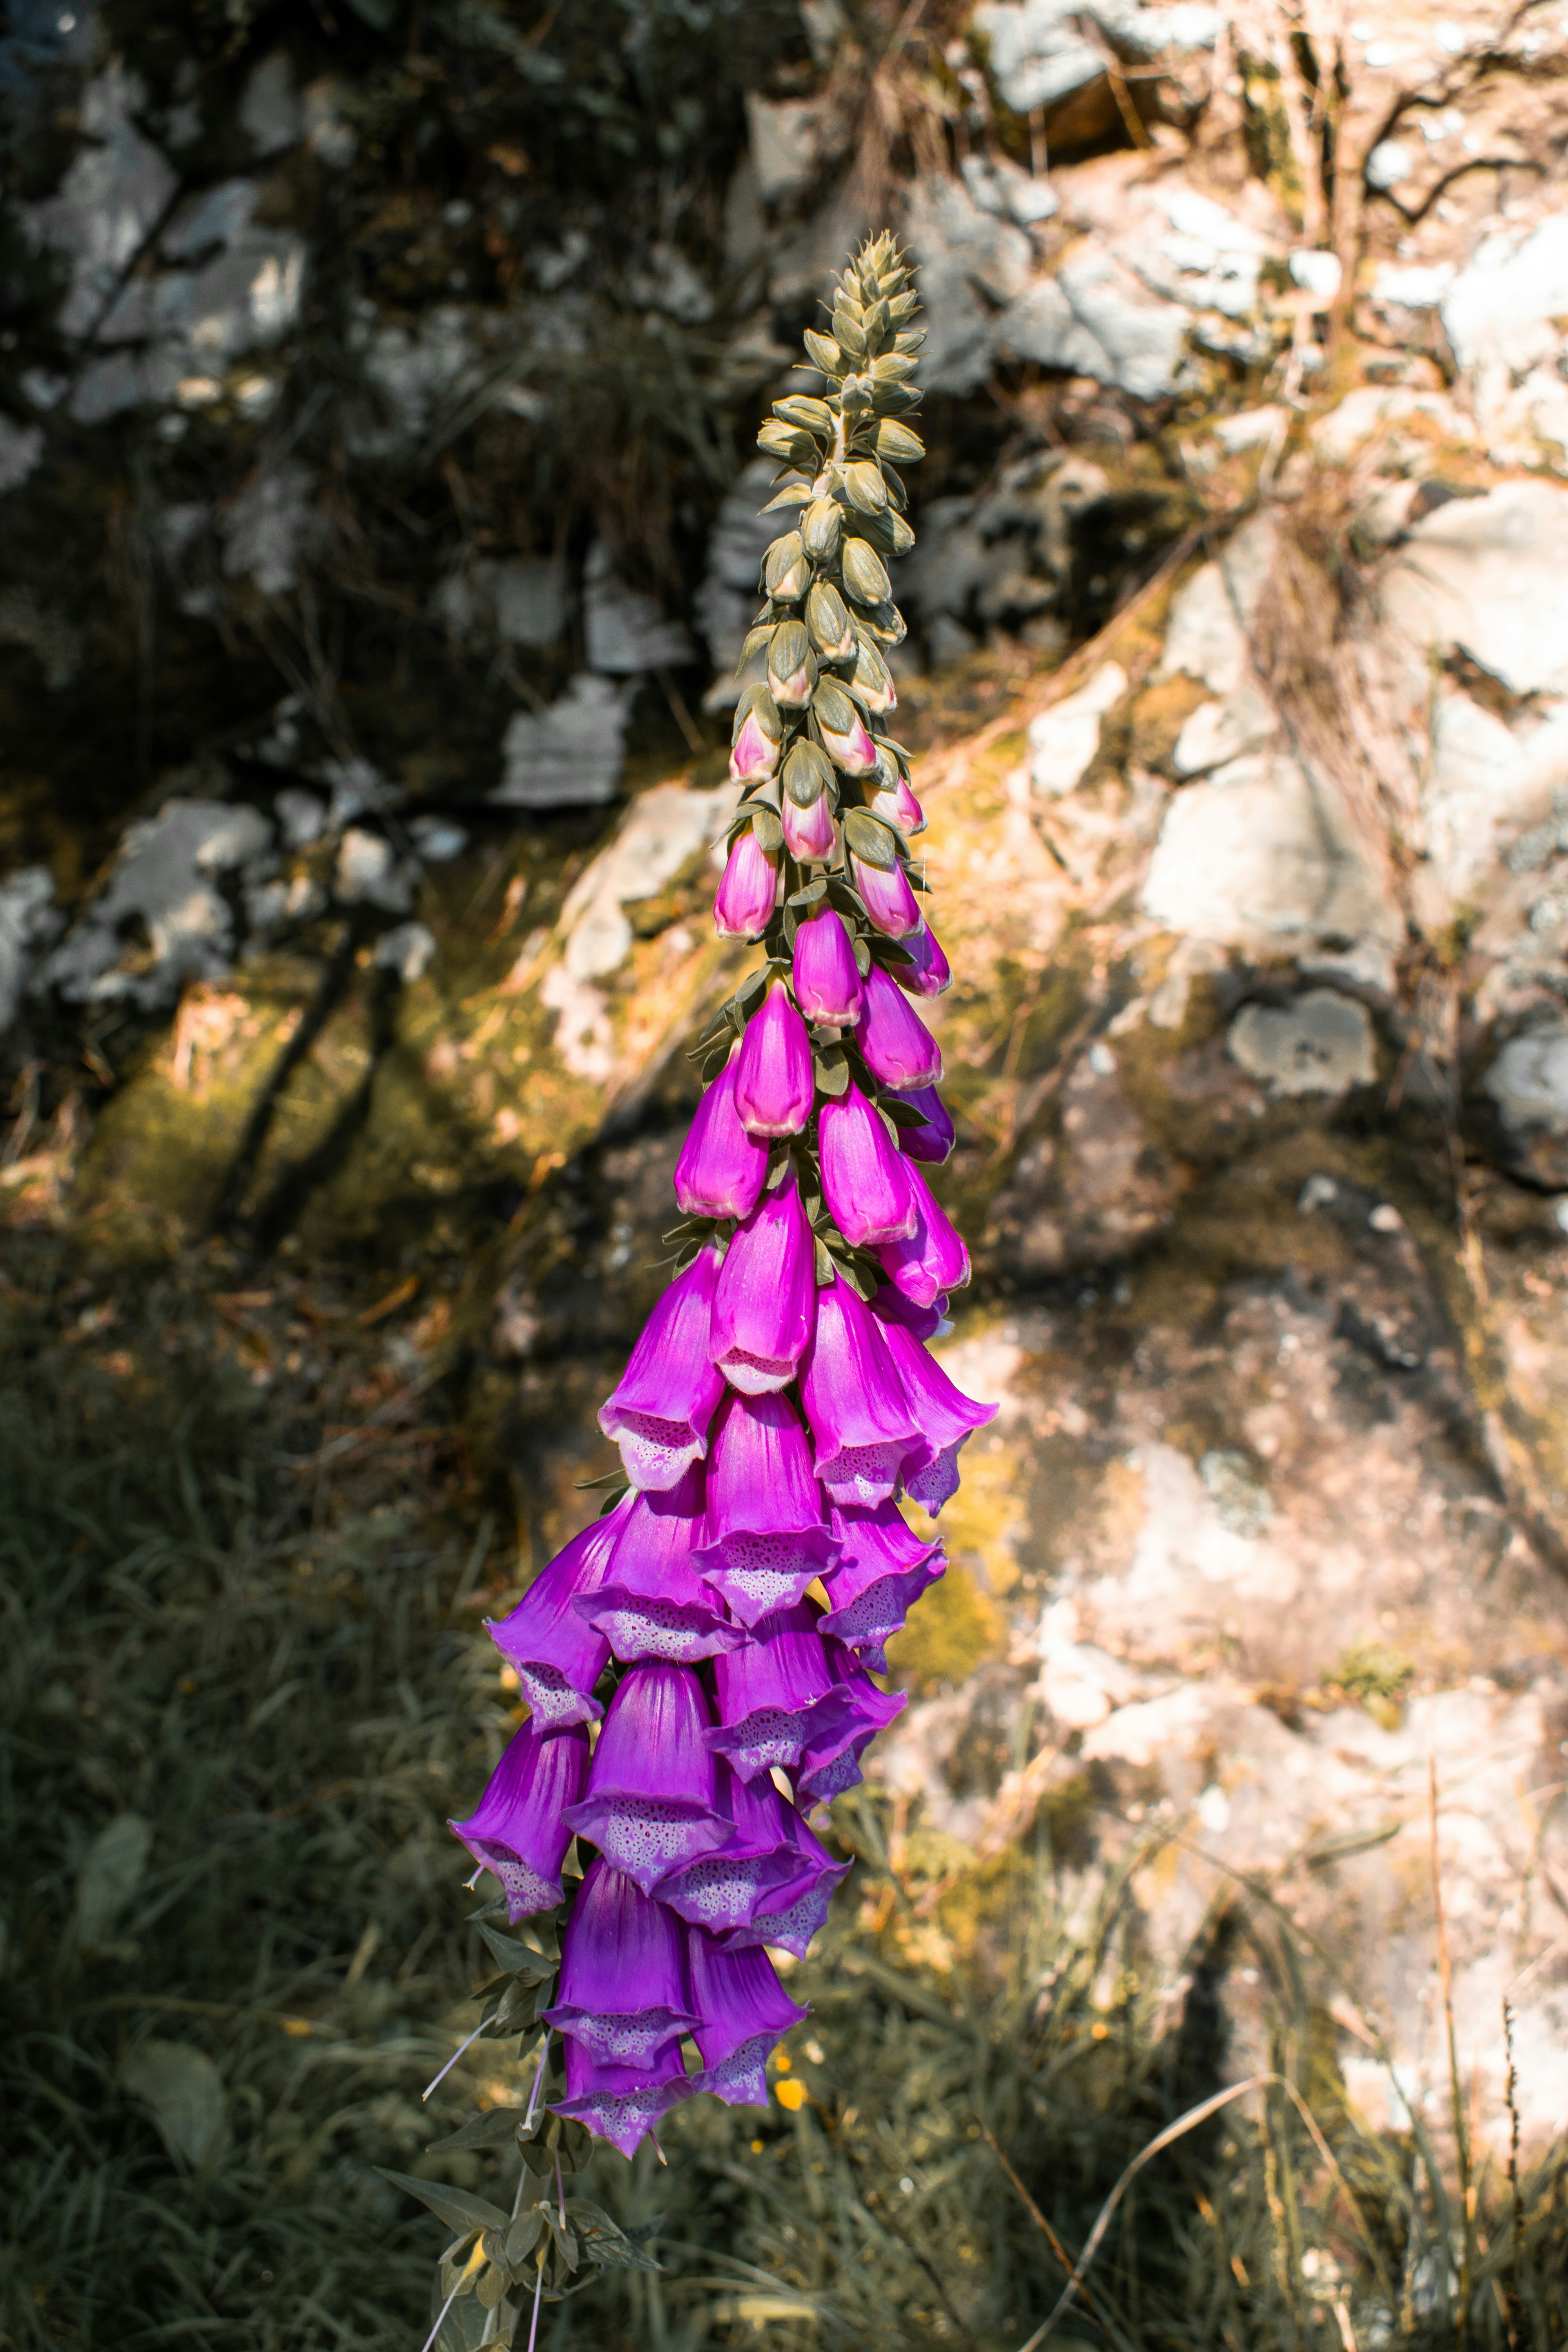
(807, 774)
(848, 332)
(820, 529)
(806, 414)
(892, 368)
(897, 443)
(758, 703)
(869, 839)
(792, 667)
(894, 399)
(786, 569)
(864, 486)
(827, 618)
(777, 440)
(769, 831)
(871, 679)
(864, 574)
(824, 352)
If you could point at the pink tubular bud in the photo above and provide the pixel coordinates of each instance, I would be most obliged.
(743, 904)
(886, 895)
(826, 978)
(808, 832)
(929, 973)
(756, 754)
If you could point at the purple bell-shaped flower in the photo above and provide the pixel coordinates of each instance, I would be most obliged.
(765, 1302)
(934, 1140)
(744, 903)
(721, 1169)
(766, 1536)
(770, 1693)
(652, 1604)
(723, 1889)
(744, 2013)
(944, 1414)
(830, 1759)
(623, 2104)
(791, 1915)
(929, 973)
(865, 1432)
(516, 1829)
(557, 1657)
(931, 1258)
(899, 1050)
(625, 1995)
(660, 1410)
(865, 1180)
(774, 1083)
(650, 1800)
(883, 1568)
(827, 986)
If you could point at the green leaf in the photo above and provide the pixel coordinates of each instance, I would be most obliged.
(824, 1267)
(610, 1478)
(524, 2235)
(492, 2286)
(863, 957)
(603, 2241)
(809, 894)
(516, 2009)
(516, 1957)
(453, 2206)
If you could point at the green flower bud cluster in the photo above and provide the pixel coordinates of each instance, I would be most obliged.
(814, 729)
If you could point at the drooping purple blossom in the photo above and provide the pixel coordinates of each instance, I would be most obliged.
(652, 1603)
(766, 1535)
(934, 1140)
(517, 1828)
(623, 2104)
(556, 1656)
(826, 977)
(770, 1694)
(886, 895)
(775, 1082)
(883, 1568)
(844, 1727)
(899, 1050)
(865, 1433)
(744, 2013)
(790, 1916)
(929, 973)
(744, 903)
(724, 1889)
(765, 1302)
(650, 1803)
(721, 1169)
(624, 1995)
(865, 1180)
(931, 1258)
(659, 1410)
(944, 1414)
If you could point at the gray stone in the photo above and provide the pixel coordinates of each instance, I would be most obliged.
(969, 263)
(1094, 317)
(999, 186)
(627, 631)
(1319, 1045)
(269, 527)
(1259, 853)
(726, 600)
(21, 447)
(270, 113)
(27, 917)
(165, 880)
(569, 756)
(1064, 739)
(369, 873)
(1037, 54)
(1528, 1079)
(407, 949)
(1507, 303)
(1490, 576)
(787, 139)
(115, 190)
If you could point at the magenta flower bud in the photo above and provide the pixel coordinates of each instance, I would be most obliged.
(865, 1430)
(517, 1829)
(623, 2104)
(723, 1890)
(771, 1693)
(755, 752)
(744, 2013)
(624, 1994)
(886, 895)
(765, 1303)
(649, 1805)
(774, 1083)
(883, 1568)
(826, 978)
(652, 1603)
(943, 1413)
(720, 1169)
(845, 738)
(830, 1760)
(865, 1180)
(808, 832)
(660, 1410)
(925, 1322)
(934, 1140)
(743, 904)
(766, 1535)
(932, 1258)
(897, 805)
(899, 1050)
(929, 973)
(558, 1658)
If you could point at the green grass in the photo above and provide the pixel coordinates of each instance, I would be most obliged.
(240, 1695)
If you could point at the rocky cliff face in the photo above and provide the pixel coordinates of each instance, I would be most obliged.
(377, 562)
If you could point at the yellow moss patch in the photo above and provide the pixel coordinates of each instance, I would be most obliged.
(954, 1629)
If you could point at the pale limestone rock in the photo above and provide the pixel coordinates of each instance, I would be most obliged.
(1064, 739)
(1320, 1044)
(1489, 577)
(113, 194)
(1092, 317)
(165, 879)
(1259, 853)
(627, 631)
(663, 831)
(570, 755)
(1528, 1079)
(968, 263)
